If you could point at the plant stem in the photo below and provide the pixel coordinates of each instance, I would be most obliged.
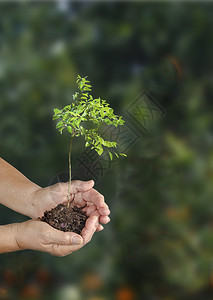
(68, 203)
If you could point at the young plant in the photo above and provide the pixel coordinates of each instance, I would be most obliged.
(83, 117)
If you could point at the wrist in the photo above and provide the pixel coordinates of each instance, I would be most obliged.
(33, 203)
(15, 229)
(8, 238)
(18, 233)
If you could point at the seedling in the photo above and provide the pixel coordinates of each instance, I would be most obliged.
(86, 111)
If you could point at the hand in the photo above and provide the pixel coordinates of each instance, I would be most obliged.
(37, 235)
(81, 194)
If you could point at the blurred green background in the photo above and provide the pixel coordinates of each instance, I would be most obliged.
(159, 243)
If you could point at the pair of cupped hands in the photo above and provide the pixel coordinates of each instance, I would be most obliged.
(38, 235)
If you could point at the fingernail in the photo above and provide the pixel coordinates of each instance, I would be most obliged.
(76, 240)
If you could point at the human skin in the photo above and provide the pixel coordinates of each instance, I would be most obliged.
(20, 194)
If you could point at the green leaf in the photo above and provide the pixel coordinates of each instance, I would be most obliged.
(61, 129)
(56, 111)
(110, 155)
(101, 140)
(59, 124)
(123, 154)
(69, 128)
(56, 117)
(66, 107)
(99, 150)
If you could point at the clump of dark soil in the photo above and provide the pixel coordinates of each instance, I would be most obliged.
(65, 218)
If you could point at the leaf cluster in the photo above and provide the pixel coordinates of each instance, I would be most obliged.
(84, 111)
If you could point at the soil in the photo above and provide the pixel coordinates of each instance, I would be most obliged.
(65, 218)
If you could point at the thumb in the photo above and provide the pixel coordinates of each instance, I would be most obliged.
(90, 228)
(81, 186)
(63, 238)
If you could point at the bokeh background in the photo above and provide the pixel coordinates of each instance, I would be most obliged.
(159, 243)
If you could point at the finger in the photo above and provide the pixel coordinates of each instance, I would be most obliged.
(90, 228)
(63, 250)
(104, 219)
(95, 197)
(104, 211)
(81, 186)
(100, 227)
(54, 236)
(91, 198)
(78, 200)
(89, 209)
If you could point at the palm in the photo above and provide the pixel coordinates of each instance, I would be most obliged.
(82, 195)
